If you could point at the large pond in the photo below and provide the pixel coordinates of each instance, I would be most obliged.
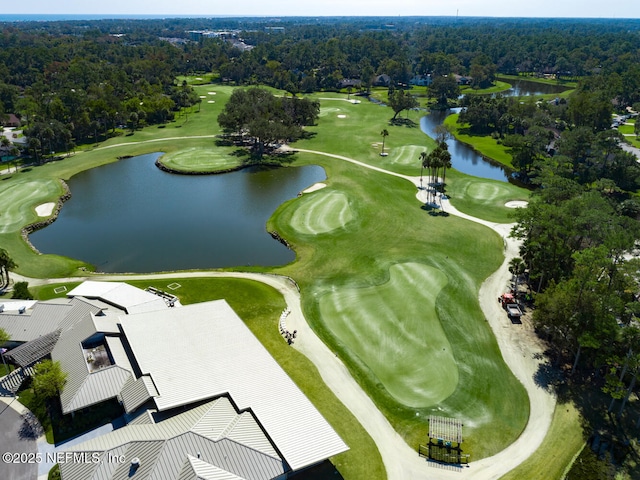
(129, 216)
(464, 158)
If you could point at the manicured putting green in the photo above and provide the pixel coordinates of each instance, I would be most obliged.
(20, 199)
(394, 329)
(322, 212)
(201, 159)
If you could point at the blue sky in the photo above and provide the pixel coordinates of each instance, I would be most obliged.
(490, 8)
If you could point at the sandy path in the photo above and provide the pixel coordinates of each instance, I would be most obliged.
(517, 343)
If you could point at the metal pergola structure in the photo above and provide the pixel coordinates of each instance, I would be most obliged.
(445, 429)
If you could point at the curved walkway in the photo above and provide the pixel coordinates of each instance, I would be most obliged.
(519, 350)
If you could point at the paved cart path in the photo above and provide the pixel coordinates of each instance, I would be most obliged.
(518, 344)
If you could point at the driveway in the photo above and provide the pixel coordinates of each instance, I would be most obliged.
(18, 434)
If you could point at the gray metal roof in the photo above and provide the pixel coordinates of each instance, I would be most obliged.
(84, 388)
(136, 392)
(215, 354)
(196, 469)
(42, 319)
(31, 352)
(220, 457)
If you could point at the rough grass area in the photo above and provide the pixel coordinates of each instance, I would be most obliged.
(322, 212)
(563, 441)
(202, 159)
(394, 329)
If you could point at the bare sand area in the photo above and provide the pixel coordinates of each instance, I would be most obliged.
(45, 209)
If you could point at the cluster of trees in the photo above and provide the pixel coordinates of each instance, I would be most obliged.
(71, 89)
(576, 247)
(438, 158)
(256, 115)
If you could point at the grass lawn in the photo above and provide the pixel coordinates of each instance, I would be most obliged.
(483, 198)
(202, 159)
(400, 306)
(497, 87)
(563, 441)
(487, 146)
(370, 263)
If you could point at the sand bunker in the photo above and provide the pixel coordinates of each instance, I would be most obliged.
(314, 187)
(342, 116)
(203, 96)
(516, 204)
(211, 101)
(211, 93)
(45, 209)
(198, 78)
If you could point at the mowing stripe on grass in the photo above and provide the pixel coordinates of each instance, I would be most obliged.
(394, 329)
(17, 198)
(200, 159)
(408, 155)
(322, 213)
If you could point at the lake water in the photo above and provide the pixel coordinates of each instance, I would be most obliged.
(129, 216)
(464, 158)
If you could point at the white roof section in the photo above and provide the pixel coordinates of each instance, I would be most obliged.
(122, 295)
(215, 354)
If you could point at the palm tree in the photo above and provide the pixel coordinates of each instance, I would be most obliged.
(6, 264)
(424, 163)
(445, 158)
(385, 134)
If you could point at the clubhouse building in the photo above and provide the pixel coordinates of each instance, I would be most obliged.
(201, 397)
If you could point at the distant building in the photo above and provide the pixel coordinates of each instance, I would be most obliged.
(421, 80)
(383, 80)
(10, 121)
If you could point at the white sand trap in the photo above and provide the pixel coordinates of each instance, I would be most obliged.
(342, 116)
(314, 187)
(516, 204)
(203, 96)
(211, 101)
(211, 93)
(198, 78)
(45, 209)
(355, 101)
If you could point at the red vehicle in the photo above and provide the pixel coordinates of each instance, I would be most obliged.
(509, 303)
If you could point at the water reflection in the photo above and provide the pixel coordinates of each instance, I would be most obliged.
(464, 158)
(130, 216)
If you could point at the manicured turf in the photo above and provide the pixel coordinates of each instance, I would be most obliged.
(375, 229)
(497, 87)
(202, 159)
(354, 294)
(20, 197)
(322, 212)
(404, 344)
